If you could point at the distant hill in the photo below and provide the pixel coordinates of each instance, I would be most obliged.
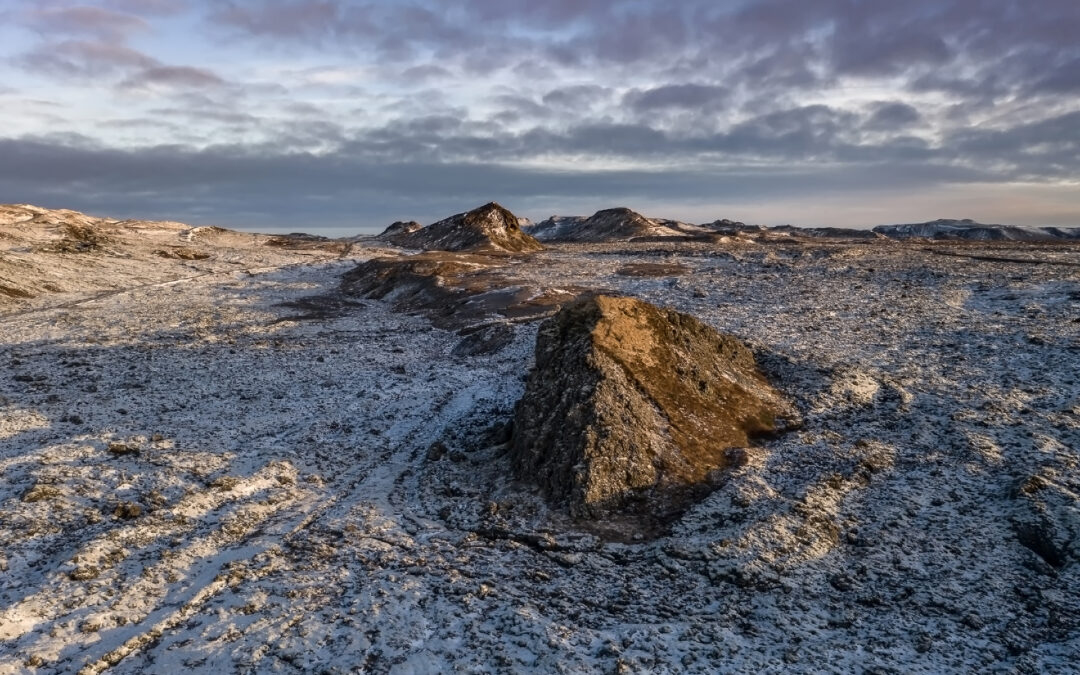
(970, 230)
(618, 224)
(623, 224)
(488, 228)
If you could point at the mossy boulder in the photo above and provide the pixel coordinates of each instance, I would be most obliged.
(630, 404)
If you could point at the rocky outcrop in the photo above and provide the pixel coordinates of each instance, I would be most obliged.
(1047, 517)
(456, 290)
(488, 228)
(399, 228)
(630, 404)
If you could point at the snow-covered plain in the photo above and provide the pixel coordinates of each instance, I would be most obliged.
(195, 479)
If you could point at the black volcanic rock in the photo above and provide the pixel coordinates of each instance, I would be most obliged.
(630, 404)
(488, 228)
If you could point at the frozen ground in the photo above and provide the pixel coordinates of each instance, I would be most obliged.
(194, 481)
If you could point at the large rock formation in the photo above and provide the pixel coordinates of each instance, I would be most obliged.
(488, 228)
(630, 403)
(456, 290)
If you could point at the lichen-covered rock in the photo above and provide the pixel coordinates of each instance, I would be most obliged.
(630, 403)
(488, 228)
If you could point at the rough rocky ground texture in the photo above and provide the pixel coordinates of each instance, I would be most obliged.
(240, 471)
(629, 406)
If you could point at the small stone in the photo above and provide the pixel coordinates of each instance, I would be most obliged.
(41, 492)
(122, 449)
(436, 451)
(127, 510)
(84, 573)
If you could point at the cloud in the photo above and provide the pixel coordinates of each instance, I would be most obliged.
(693, 96)
(303, 18)
(577, 96)
(892, 116)
(425, 72)
(253, 187)
(1062, 79)
(86, 20)
(78, 58)
(149, 7)
(173, 78)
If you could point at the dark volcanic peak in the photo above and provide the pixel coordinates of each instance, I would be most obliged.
(970, 230)
(488, 228)
(629, 405)
(618, 224)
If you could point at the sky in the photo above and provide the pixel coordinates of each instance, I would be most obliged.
(336, 116)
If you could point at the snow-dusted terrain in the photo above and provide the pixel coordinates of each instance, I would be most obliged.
(233, 469)
(970, 230)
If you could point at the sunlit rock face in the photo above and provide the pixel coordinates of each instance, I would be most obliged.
(629, 403)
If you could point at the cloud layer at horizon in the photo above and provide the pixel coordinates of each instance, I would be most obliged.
(319, 114)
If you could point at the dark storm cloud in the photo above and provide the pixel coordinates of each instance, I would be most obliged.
(305, 191)
(577, 96)
(676, 96)
(892, 117)
(775, 45)
(1046, 148)
(889, 53)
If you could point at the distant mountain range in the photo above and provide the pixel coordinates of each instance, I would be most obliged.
(971, 230)
(493, 227)
(622, 224)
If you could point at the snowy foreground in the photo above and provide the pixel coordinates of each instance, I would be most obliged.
(196, 478)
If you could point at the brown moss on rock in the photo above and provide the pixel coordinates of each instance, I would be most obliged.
(631, 404)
